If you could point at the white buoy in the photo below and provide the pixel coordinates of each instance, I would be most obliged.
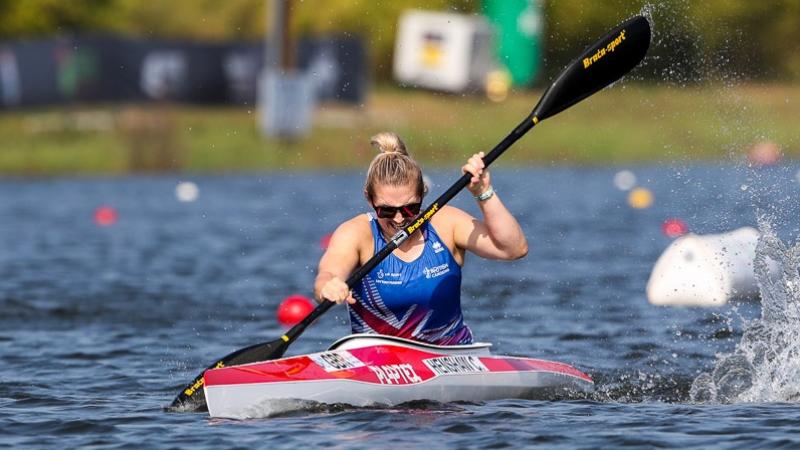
(705, 270)
(186, 191)
(625, 180)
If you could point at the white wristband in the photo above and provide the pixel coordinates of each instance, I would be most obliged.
(486, 195)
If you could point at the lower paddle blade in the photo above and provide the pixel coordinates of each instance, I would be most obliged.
(192, 398)
(601, 64)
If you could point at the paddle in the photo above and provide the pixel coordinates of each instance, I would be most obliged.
(603, 63)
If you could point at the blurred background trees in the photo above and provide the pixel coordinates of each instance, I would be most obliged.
(756, 40)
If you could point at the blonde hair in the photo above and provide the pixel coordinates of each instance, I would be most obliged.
(392, 166)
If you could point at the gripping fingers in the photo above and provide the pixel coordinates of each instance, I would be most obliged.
(474, 165)
(476, 168)
(337, 291)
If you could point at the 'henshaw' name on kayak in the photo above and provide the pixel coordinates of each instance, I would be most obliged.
(446, 365)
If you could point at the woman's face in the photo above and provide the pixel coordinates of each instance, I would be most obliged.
(392, 198)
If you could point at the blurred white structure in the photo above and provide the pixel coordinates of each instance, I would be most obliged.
(443, 51)
(705, 270)
(286, 103)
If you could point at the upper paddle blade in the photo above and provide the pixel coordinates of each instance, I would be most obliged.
(192, 398)
(601, 64)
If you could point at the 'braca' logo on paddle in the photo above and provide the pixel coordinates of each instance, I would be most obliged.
(603, 51)
(396, 374)
(193, 388)
(455, 364)
(423, 219)
(189, 391)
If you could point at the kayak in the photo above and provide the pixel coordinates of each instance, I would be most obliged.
(376, 370)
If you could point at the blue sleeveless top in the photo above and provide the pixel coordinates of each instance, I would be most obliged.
(418, 300)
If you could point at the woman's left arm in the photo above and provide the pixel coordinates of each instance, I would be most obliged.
(498, 235)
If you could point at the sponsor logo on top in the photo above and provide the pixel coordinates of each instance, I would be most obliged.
(384, 277)
(437, 247)
(436, 271)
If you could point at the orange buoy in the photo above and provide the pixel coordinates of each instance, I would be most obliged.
(640, 198)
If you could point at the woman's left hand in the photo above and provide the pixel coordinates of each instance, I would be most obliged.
(481, 180)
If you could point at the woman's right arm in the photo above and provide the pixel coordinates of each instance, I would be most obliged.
(339, 261)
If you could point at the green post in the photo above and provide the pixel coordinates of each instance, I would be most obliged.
(518, 34)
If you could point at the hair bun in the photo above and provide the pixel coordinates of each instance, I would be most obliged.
(388, 142)
(392, 166)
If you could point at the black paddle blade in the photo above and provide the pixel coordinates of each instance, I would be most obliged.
(192, 398)
(601, 64)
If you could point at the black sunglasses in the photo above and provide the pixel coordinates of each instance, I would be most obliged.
(388, 212)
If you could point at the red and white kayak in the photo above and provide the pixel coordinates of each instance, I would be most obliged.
(369, 370)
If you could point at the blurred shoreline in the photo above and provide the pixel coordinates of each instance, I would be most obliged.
(627, 124)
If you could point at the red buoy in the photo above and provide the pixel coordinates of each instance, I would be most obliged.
(105, 216)
(293, 309)
(674, 228)
(325, 241)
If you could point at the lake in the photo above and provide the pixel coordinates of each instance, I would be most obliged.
(100, 326)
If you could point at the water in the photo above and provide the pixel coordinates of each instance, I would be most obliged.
(766, 362)
(100, 326)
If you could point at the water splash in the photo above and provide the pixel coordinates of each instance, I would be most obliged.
(765, 366)
(638, 387)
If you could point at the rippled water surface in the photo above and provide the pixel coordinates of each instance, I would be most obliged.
(100, 326)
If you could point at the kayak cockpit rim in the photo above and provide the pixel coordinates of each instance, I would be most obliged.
(360, 340)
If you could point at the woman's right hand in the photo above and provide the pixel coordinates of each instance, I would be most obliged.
(336, 290)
